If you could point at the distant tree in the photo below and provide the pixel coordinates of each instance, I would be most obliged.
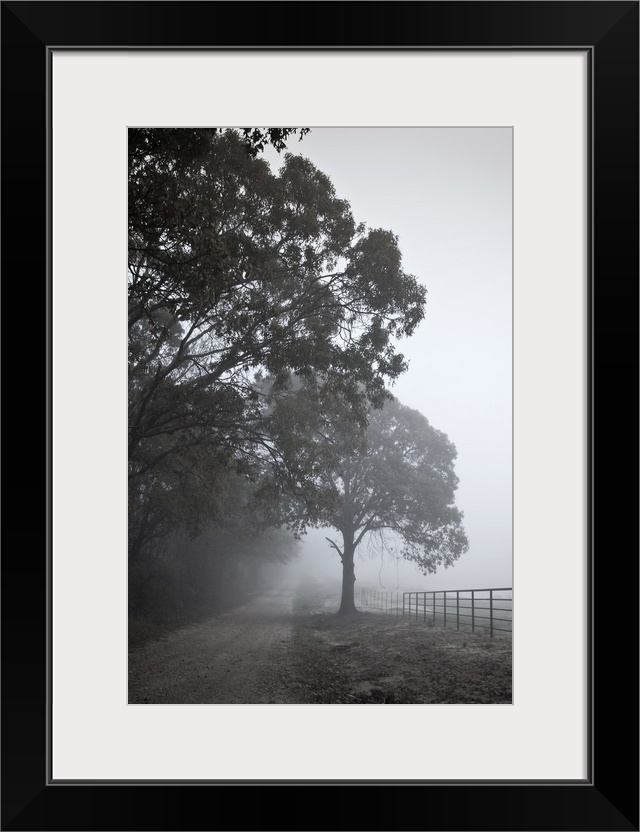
(396, 479)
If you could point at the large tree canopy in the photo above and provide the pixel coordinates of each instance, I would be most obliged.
(237, 273)
(234, 270)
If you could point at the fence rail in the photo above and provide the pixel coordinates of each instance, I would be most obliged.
(470, 609)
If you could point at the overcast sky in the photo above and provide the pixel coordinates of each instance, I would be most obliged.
(447, 194)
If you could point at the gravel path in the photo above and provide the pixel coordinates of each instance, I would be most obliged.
(274, 651)
(232, 658)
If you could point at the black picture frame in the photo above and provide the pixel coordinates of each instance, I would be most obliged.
(608, 798)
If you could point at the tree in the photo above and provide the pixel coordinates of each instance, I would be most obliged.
(232, 268)
(396, 479)
(185, 570)
(235, 271)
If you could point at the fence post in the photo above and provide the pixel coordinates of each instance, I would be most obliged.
(374, 598)
(491, 612)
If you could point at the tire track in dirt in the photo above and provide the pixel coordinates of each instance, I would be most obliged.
(226, 660)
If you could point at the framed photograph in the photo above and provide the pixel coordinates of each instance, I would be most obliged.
(557, 84)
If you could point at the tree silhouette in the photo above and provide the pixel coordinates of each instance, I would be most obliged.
(396, 478)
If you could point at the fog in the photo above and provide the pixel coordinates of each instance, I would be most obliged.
(384, 569)
(219, 591)
(447, 194)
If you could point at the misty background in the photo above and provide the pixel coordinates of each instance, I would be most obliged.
(222, 465)
(447, 194)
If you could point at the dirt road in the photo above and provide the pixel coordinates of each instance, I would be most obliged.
(286, 646)
(233, 658)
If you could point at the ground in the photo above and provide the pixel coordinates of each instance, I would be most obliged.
(287, 646)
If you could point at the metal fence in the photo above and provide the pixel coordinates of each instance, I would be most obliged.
(485, 610)
(389, 602)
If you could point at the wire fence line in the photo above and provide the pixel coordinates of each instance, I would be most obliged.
(485, 610)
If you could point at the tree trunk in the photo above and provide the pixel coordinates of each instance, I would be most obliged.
(347, 602)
